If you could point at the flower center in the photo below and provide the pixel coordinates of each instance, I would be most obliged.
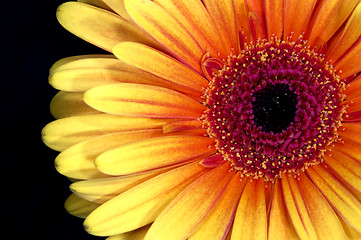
(274, 108)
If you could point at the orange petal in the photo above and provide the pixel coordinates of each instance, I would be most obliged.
(350, 64)
(78, 161)
(224, 18)
(219, 221)
(278, 217)
(297, 209)
(141, 204)
(166, 30)
(182, 125)
(140, 100)
(250, 222)
(324, 219)
(343, 40)
(161, 65)
(98, 26)
(353, 89)
(193, 16)
(212, 161)
(324, 23)
(351, 148)
(257, 19)
(154, 153)
(66, 104)
(296, 25)
(187, 211)
(66, 132)
(242, 18)
(274, 17)
(352, 131)
(344, 203)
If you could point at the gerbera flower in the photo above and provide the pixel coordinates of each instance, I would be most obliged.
(235, 119)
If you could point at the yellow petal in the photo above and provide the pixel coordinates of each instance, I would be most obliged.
(297, 209)
(140, 100)
(328, 17)
(141, 204)
(137, 234)
(161, 65)
(66, 132)
(219, 221)
(186, 212)
(166, 30)
(343, 40)
(79, 207)
(118, 7)
(250, 222)
(153, 153)
(324, 219)
(297, 25)
(274, 17)
(344, 203)
(224, 18)
(67, 104)
(279, 218)
(81, 73)
(78, 161)
(96, 3)
(98, 26)
(102, 190)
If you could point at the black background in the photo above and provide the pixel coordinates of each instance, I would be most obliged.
(32, 192)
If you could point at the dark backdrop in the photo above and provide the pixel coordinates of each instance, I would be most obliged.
(32, 192)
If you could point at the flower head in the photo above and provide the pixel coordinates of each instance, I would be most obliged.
(236, 119)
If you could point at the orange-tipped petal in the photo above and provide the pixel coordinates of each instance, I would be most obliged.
(296, 25)
(154, 153)
(140, 100)
(274, 17)
(98, 26)
(224, 18)
(324, 23)
(194, 17)
(344, 203)
(161, 65)
(297, 209)
(343, 40)
(67, 104)
(219, 221)
(279, 218)
(324, 219)
(141, 204)
(66, 132)
(165, 29)
(187, 211)
(345, 167)
(182, 125)
(78, 161)
(250, 222)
